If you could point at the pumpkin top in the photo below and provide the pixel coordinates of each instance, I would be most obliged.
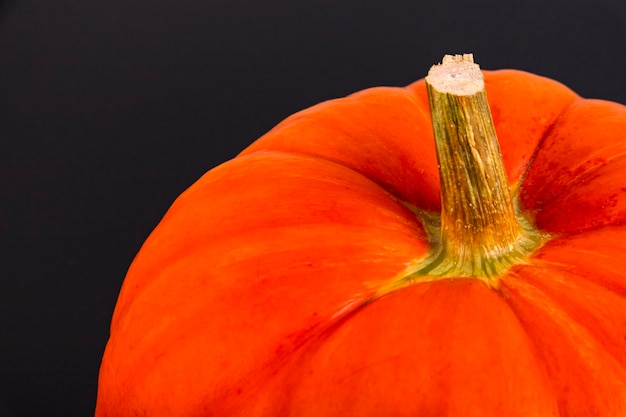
(258, 293)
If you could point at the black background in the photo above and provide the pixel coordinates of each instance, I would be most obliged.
(109, 110)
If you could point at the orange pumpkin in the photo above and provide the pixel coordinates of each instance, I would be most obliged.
(258, 294)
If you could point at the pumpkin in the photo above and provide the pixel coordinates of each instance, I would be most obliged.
(290, 280)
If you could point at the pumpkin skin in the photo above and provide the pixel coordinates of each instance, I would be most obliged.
(254, 295)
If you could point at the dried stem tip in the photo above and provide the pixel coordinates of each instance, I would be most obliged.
(457, 74)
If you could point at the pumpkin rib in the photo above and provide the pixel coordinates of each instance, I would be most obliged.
(603, 245)
(182, 228)
(295, 246)
(387, 187)
(568, 269)
(367, 132)
(588, 317)
(261, 390)
(281, 406)
(370, 324)
(606, 202)
(561, 342)
(586, 174)
(544, 137)
(156, 347)
(567, 190)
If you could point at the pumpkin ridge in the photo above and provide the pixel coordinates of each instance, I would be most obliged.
(278, 370)
(577, 343)
(319, 157)
(388, 188)
(581, 179)
(594, 324)
(537, 349)
(572, 169)
(381, 132)
(518, 189)
(363, 370)
(544, 137)
(569, 256)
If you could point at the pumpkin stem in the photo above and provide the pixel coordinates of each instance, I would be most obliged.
(481, 234)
